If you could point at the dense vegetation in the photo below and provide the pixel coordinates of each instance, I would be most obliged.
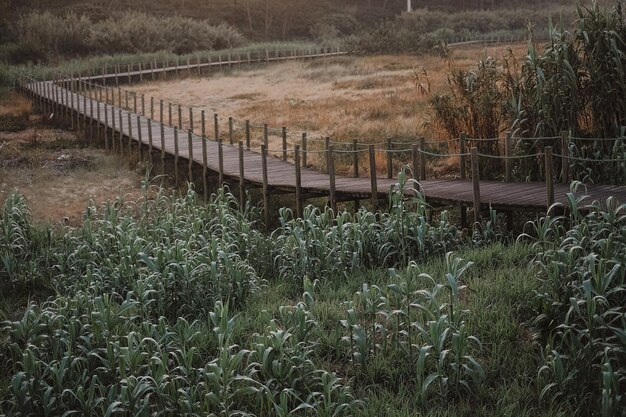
(46, 30)
(170, 306)
(575, 83)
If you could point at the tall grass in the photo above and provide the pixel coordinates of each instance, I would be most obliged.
(169, 304)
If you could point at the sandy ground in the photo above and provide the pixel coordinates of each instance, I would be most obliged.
(59, 176)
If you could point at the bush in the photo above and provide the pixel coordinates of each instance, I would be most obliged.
(23, 53)
(128, 32)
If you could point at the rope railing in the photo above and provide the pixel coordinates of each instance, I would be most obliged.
(53, 96)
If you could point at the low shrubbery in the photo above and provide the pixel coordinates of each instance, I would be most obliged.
(170, 305)
(43, 35)
(582, 306)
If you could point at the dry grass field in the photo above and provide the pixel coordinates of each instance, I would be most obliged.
(369, 98)
(55, 169)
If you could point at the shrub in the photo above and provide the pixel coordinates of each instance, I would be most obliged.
(128, 32)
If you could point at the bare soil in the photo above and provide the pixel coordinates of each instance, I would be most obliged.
(59, 175)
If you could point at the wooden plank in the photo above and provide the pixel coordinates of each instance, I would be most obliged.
(281, 175)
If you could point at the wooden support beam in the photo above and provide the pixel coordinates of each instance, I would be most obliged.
(284, 136)
(176, 176)
(205, 182)
(220, 155)
(508, 166)
(389, 159)
(422, 142)
(242, 179)
(266, 197)
(190, 162)
(331, 175)
(299, 212)
(475, 183)
(373, 185)
(230, 131)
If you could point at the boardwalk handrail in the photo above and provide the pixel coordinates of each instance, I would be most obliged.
(81, 101)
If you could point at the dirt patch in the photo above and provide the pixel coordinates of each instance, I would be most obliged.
(59, 175)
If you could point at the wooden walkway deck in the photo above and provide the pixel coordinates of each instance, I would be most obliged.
(281, 175)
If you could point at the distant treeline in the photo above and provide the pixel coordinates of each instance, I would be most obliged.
(40, 30)
(263, 20)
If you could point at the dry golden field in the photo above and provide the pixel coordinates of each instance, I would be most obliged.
(365, 98)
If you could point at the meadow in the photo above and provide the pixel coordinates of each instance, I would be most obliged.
(159, 303)
(168, 306)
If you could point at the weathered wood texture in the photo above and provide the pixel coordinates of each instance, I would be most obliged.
(281, 174)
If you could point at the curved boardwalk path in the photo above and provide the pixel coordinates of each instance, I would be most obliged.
(281, 175)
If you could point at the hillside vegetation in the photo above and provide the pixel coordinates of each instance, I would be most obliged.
(41, 30)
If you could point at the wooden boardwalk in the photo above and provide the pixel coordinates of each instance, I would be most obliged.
(152, 69)
(281, 175)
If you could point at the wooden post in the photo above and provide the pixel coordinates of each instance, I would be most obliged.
(564, 157)
(191, 119)
(143, 105)
(140, 72)
(248, 134)
(389, 159)
(151, 108)
(220, 156)
(265, 136)
(190, 165)
(326, 146)
(374, 186)
(242, 179)
(549, 178)
(475, 183)
(150, 142)
(113, 129)
(355, 158)
(284, 134)
(121, 132)
(180, 117)
(85, 106)
(508, 174)
(176, 178)
(139, 139)
(216, 128)
(414, 161)
(331, 175)
(298, 182)
(90, 117)
(266, 198)
(169, 115)
(203, 124)
(126, 99)
(162, 148)
(462, 143)
(73, 112)
(161, 111)
(130, 134)
(422, 159)
(230, 130)
(106, 127)
(205, 183)
(304, 149)
(128, 72)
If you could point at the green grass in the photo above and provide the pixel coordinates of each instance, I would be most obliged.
(171, 304)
